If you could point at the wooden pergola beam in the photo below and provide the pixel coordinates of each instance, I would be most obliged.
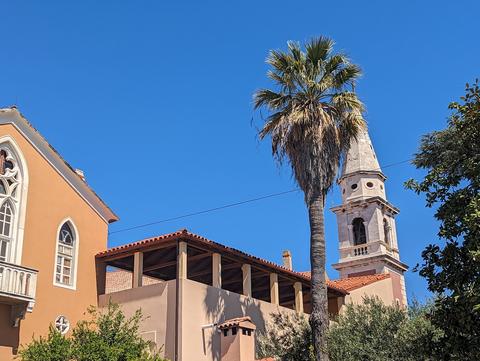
(132, 251)
(172, 263)
(207, 271)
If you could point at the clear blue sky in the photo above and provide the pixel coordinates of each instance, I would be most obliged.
(153, 100)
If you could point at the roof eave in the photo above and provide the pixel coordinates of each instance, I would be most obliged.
(14, 117)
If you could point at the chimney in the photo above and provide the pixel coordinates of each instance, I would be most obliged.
(287, 260)
(80, 173)
(237, 340)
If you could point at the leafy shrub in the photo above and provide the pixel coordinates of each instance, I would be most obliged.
(107, 336)
(370, 331)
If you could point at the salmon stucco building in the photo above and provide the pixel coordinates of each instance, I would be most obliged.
(205, 301)
(51, 226)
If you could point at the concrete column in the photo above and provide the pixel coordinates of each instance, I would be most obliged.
(350, 235)
(137, 269)
(101, 277)
(274, 296)
(367, 235)
(182, 260)
(298, 297)
(247, 280)
(217, 270)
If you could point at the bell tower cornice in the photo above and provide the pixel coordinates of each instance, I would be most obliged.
(364, 203)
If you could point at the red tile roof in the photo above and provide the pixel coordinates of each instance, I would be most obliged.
(188, 236)
(235, 322)
(353, 283)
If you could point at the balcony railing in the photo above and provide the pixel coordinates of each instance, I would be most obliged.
(360, 250)
(371, 248)
(18, 283)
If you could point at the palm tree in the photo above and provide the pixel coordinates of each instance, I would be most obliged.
(314, 114)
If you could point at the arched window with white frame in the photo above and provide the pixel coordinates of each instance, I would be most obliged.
(13, 192)
(6, 220)
(67, 246)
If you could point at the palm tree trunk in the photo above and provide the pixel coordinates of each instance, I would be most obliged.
(319, 316)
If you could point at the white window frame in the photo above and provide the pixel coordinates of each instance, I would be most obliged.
(7, 239)
(19, 202)
(74, 265)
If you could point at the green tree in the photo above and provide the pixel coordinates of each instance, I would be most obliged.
(54, 347)
(287, 337)
(373, 331)
(108, 336)
(368, 332)
(451, 158)
(314, 114)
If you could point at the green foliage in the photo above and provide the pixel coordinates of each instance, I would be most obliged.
(54, 347)
(107, 336)
(368, 332)
(451, 158)
(375, 332)
(314, 112)
(287, 337)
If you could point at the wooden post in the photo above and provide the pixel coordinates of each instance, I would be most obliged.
(298, 297)
(101, 276)
(217, 270)
(247, 280)
(274, 297)
(137, 269)
(182, 260)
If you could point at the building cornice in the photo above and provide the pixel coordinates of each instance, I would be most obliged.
(363, 172)
(399, 265)
(356, 203)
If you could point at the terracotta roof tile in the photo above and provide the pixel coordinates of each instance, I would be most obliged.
(234, 322)
(186, 235)
(353, 283)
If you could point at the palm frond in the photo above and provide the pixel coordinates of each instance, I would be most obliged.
(269, 98)
(313, 115)
(347, 102)
(280, 62)
(318, 49)
(335, 62)
(346, 76)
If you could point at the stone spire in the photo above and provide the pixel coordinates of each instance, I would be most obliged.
(361, 157)
(366, 220)
(361, 176)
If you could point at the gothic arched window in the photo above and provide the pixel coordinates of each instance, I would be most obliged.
(6, 220)
(66, 255)
(386, 231)
(359, 234)
(12, 209)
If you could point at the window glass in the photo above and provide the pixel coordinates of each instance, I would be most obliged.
(65, 255)
(5, 219)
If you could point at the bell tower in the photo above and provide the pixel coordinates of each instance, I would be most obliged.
(366, 220)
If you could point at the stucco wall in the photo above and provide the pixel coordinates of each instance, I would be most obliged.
(383, 289)
(51, 199)
(157, 303)
(204, 305)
